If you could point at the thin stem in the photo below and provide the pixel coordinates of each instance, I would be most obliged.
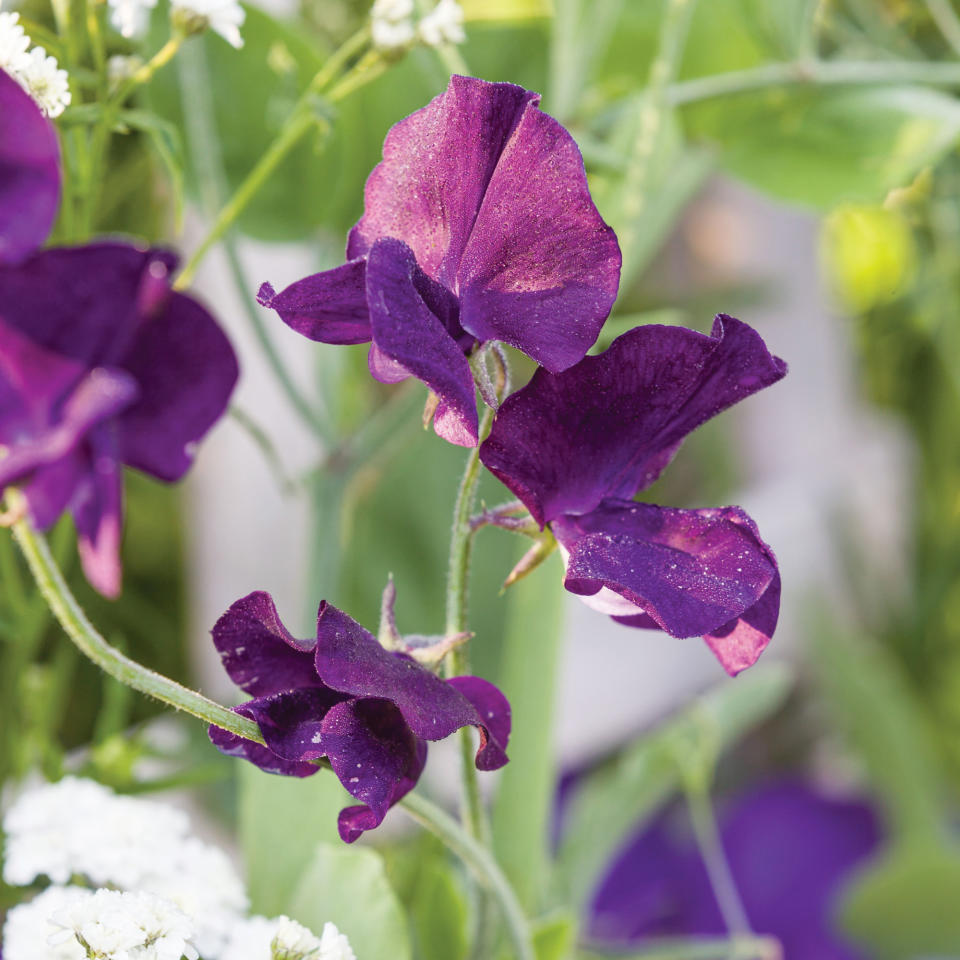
(480, 863)
(824, 73)
(705, 948)
(947, 21)
(715, 861)
(74, 621)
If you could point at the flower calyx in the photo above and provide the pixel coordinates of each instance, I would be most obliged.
(544, 544)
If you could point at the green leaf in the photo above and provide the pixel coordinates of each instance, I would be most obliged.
(555, 937)
(505, 11)
(348, 886)
(439, 913)
(611, 803)
(528, 677)
(821, 147)
(905, 905)
(281, 820)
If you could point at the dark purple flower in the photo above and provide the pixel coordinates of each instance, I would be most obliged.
(576, 446)
(29, 172)
(478, 225)
(342, 696)
(790, 850)
(101, 363)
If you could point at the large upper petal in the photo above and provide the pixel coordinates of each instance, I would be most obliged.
(258, 652)
(330, 307)
(416, 341)
(437, 164)
(607, 426)
(186, 371)
(29, 173)
(694, 572)
(349, 659)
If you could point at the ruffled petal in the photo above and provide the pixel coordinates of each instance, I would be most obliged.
(259, 755)
(494, 709)
(410, 335)
(437, 165)
(292, 722)
(258, 652)
(97, 509)
(376, 758)
(692, 571)
(349, 659)
(186, 371)
(541, 268)
(330, 307)
(607, 426)
(29, 173)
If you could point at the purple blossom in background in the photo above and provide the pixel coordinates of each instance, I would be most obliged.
(478, 225)
(576, 446)
(29, 172)
(344, 697)
(791, 852)
(101, 364)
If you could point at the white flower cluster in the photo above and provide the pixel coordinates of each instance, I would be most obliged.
(284, 939)
(131, 17)
(392, 26)
(174, 895)
(35, 71)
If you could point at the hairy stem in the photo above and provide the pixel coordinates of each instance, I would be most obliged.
(480, 863)
(91, 643)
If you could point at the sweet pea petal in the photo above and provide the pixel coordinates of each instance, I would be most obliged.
(258, 652)
(375, 757)
(329, 307)
(541, 268)
(186, 371)
(259, 755)
(349, 659)
(691, 571)
(85, 303)
(408, 333)
(97, 510)
(437, 164)
(494, 708)
(291, 722)
(29, 173)
(607, 426)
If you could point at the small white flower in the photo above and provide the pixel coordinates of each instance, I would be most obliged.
(250, 939)
(222, 16)
(293, 941)
(443, 24)
(13, 43)
(112, 925)
(42, 78)
(391, 23)
(334, 945)
(28, 928)
(131, 17)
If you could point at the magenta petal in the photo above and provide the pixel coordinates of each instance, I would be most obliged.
(186, 371)
(493, 708)
(330, 307)
(350, 660)
(415, 339)
(259, 755)
(97, 510)
(608, 426)
(436, 166)
(29, 173)
(375, 757)
(541, 269)
(692, 571)
(258, 653)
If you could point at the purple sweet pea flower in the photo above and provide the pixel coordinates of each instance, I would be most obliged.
(29, 172)
(478, 225)
(101, 364)
(576, 446)
(791, 851)
(343, 696)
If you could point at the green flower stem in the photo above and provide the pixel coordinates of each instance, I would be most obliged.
(65, 608)
(813, 72)
(480, 862)
(302, 118)
(947, 21)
